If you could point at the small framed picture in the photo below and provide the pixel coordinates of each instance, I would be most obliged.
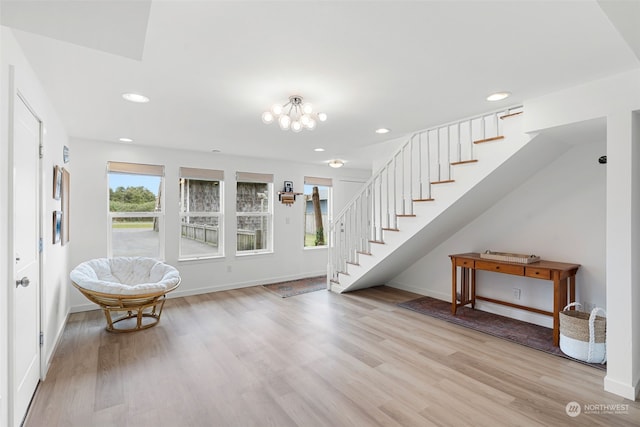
(57, 226)
(57, 182)
(288, 186)
(65, 154)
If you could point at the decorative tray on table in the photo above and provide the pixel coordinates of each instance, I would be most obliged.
(509, 257)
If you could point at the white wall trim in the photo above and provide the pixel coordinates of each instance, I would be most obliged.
(54, 347)
(216, 288)
(625, 390)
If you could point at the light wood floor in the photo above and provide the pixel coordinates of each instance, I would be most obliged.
(248, 358)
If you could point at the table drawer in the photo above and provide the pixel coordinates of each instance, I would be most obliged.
(467, 263)
(538, 273)
(517, 270)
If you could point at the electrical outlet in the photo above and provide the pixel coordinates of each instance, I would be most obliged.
(516, 294)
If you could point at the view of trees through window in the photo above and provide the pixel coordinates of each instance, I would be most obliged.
(132, 199)
(316, 215)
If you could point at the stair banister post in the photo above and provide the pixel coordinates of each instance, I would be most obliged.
(449, 151)
(438, 153)
(471, 157)
(380, 209)
(411, 175)
(420, 165)
(395, 191)
(495, 119)
(387, 198)
(428, 167)
(483, 127)
(459, 145)
(403, 160)
(368, 219)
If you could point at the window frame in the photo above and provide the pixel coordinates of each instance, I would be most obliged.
(124, 168)
(321, 182)
(198, 174)
(257, 178)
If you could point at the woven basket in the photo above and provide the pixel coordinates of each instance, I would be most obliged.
(583, 335)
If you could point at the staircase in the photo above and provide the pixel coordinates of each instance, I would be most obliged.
(438, 181)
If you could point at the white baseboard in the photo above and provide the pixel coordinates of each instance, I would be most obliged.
(625, 390)
(421, 291)
(54, 348)
(513, 313)
(216, 288)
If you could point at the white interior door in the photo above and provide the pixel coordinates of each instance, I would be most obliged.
(25, 321)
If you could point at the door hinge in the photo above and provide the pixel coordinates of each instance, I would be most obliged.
(40, 245)
(41, 151)
(41, 339)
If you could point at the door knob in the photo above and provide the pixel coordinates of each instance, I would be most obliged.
(24, 282)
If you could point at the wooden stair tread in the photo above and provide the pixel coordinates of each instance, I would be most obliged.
(363, 253)
(463, 162)
(344, 272)
(391, 229)
(506, 116)
(380, 242)
(352, 263)
(493, 138)
(447, 181)
(334, 281)
(423, 200)
(405, 215)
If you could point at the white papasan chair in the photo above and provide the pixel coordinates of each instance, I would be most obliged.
(135, 285)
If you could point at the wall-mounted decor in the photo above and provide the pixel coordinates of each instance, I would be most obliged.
(57, 182)
(287, 196)
(66, 177)
(65, 154)
(57, 224)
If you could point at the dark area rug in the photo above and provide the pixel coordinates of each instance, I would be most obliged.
(297, 287)
(528, 334)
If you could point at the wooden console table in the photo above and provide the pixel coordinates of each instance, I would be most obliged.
(559, 272)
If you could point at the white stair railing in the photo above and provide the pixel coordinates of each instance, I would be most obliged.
(423, 160)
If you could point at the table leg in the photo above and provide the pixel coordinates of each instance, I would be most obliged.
(473, 288)
(454, 286)
(559, 302)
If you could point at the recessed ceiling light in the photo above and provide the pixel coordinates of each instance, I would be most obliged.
(382, 130)
(125, 140)
(318, 149)
(135, 97)
(336, 163)
(498, 96)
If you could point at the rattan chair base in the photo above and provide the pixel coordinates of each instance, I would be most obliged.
(139, 307)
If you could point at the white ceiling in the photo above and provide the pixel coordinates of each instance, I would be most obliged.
(212, 67)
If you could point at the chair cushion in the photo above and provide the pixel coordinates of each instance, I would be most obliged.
(125, 275)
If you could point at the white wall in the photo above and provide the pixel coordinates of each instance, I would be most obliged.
(55, 290)
(615, 98)
(288, 261)
(558, 214)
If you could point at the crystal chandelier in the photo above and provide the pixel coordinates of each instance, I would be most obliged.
(295, 115)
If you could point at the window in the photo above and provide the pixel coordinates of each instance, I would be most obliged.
(317, 199)
(200, 213)
(254, 212)
(135, 210)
